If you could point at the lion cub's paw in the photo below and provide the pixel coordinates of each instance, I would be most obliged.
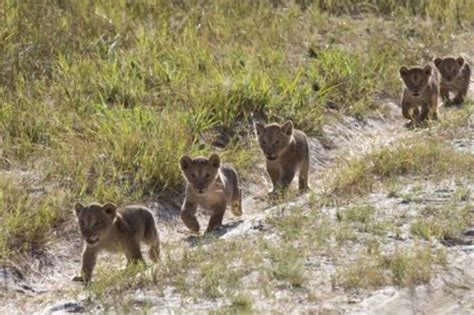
(78, 279)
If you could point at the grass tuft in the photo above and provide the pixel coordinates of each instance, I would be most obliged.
(403, 267)
(421, 156)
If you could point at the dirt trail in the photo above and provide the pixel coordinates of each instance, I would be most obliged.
(40, 288)
(348, 138)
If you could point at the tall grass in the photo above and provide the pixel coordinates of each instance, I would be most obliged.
(25, 219)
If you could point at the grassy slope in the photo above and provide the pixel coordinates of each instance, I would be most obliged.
(248, 272)
(98, 100)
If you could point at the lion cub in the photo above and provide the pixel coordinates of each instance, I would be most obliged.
(115, 229)
(455, 77)
(420, 93)
(286, 150)
(213, 187)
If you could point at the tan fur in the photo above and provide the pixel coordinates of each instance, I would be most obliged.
(455, 78)
(420, 93)
(286, 151)
(115, 229)
(211, 186)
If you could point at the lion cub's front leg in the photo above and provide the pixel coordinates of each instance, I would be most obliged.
(188, 215)
(89, 258)
(275, 175)
(287, 177)
(216, 218)
(444, 93)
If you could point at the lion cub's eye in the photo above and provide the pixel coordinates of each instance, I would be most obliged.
(193, 175)
(264, 142)
(207, 175)
(277, 142)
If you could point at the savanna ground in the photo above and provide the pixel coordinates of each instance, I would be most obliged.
(99, 100)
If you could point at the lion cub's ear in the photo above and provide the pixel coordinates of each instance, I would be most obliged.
(287, 128)
(185, 162)
(110, 210)
(259, 127)
(215, 160)
(403, 71)
(78, 207)
(437, 62)
(460, 60)
(427, 70)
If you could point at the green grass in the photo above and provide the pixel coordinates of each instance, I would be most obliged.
(240, 304)
(362, 213)
(427, 155)
(413, 266)
(286, 264)
(98, 100)
(361, 218)
(202, 272)
(443, 223)
(407, 267)
(108, 282)
(26, 220)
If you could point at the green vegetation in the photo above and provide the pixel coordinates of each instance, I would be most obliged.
(444, 223)
(241, 304)
(98, 100)
(361, 218)
(286, 264)
(26, 221)
(422, 155)
(105, 103)
(402, 267)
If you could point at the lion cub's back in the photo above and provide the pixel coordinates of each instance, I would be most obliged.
(138, 219)
(302, 147)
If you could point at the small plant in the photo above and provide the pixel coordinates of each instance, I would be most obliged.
(462, 194)
(364, 273)
(293, 224)
(241, 303)
(411, 267)
(443, 223)
(362, 213)
(286, 265)
(407, 267)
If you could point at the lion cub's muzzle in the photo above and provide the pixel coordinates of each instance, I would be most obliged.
(200, 188)
(417, 92)
(92, 239)
(271, 156)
